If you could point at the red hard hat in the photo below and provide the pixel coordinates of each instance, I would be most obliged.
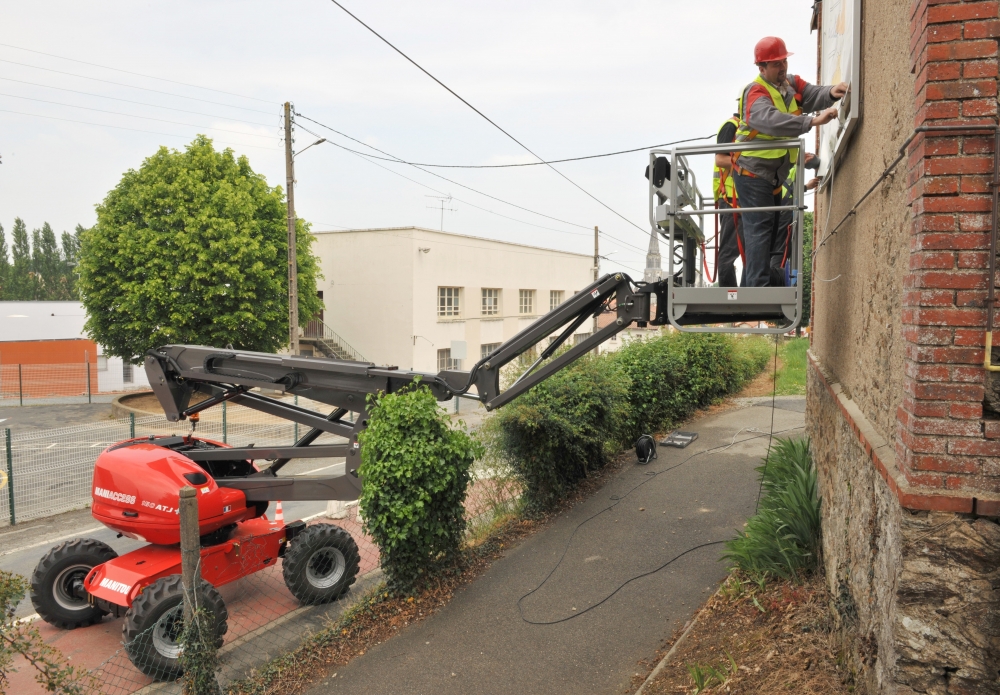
(770, 48)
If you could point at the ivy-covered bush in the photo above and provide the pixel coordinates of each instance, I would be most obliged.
(416, 469)
(567, 426)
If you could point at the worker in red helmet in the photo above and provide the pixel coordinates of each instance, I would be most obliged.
(772, 107)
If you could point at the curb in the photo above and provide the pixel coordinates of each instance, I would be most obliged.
(120, 410)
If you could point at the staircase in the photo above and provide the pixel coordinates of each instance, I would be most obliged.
(329, 343)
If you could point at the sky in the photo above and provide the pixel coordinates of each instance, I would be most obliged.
(89, 90)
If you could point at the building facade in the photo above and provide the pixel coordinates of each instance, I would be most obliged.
(905, 435)
(428, 300)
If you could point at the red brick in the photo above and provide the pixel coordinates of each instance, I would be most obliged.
(922, 316)
(923, 445)
(974, 223)
(942, 279)
(969, 336)
(944, 464)
(922, 335)
(975, 184)
(970, 298)
(927, 371)
(948, 355)
(947, 392)
(971, 375)
(924, 408)
(939, 259)
(963, 203)
(961, 12)
(951, 241)
(973, 259)
(979, 107)
(980, 68)
(974, 447)
(937, 72)
(942, 91)
(960, 165)
(991, 429)
(966, 50)
(941, 146)
(929, 298)
(968, 411)
(937, 110)
(932, 480)
(936, 223)
(950, 32)
(940, 185)
(979, 30)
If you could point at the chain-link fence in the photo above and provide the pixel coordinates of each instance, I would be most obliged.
(52, 384)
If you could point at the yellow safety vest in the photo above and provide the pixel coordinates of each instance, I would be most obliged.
(745, 133)
(724, 177)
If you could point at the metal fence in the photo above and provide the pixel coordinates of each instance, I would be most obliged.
(41, 384)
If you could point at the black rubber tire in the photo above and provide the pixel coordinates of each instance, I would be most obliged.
(52, 592)
(151, 647)
(320, 564)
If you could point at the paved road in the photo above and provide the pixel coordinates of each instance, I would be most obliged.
(45, 417)
(480, 643)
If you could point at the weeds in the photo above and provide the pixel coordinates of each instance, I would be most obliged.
(783, 537)
(705, 677)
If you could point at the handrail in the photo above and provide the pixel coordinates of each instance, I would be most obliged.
(329, 334)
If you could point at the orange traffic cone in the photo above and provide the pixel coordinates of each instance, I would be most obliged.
(278, 514)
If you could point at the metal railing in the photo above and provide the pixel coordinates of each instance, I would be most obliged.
(329, 343)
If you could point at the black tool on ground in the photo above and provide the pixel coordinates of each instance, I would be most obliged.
(679, 439)
(645, 449)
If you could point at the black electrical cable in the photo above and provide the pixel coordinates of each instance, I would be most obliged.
(137, 74)
(617, 499)
(487, 118)
(774, 393)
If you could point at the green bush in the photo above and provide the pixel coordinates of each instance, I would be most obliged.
(571, 424)
(416, 469)
(783, 537)
(562, 429)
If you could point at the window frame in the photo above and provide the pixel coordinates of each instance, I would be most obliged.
(523, 295)
(449, 307)
(484, 297)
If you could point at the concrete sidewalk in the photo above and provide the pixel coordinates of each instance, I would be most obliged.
(479, 643)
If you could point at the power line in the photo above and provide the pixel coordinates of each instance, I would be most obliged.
(132, 101)
(137, 74)
(132, 86)
(136, 130)
(129, 115)
(418, 167)
(488, 120)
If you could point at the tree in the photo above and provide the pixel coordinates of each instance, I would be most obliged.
(4, 265)
(46, 264)
(70, 260)
(22, 279)
(192, 248)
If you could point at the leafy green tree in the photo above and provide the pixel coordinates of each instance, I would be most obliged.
(46, 264)
(22, 280)
(70, 260)
(4, 265)
(192, 248)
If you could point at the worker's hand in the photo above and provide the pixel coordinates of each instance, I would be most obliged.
(838, 91)
(812, 184)
(824, 117)
(808, 158)
(723, 161)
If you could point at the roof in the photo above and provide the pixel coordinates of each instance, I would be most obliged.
(451, 234)
(21, 321)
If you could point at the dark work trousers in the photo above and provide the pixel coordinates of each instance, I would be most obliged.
(729, 250)
(759, 228)
(782, 247)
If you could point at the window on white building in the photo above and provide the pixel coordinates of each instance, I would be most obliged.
(102, 363)
(555, 298)
(126, 372)
(580, 337)
(486, 348)
(448, 301)
(445, 361)
(526, 302)
(491, 302)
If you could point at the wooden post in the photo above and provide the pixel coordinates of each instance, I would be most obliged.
(190, 546)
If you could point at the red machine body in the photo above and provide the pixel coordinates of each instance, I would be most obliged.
(135, 492)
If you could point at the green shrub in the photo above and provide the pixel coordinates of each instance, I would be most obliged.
(200, 656)
(783, 537)
(416, 471)
(558, 432)
(571, 424)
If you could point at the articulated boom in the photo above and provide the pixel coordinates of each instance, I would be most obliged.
(177, 372)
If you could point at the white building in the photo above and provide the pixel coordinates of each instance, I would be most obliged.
(427, 300)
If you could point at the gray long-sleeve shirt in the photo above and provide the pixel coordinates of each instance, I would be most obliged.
(765, 118)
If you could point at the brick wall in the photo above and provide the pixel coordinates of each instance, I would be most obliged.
(943, 441)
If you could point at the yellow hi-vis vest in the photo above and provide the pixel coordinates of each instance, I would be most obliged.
(745, 133)
(722, 179)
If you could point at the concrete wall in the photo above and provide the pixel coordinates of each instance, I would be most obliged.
(397, 322)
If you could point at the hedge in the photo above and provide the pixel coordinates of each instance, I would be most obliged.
(570, 425)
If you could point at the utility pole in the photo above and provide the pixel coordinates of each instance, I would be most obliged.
(293, 271)
(597, 269)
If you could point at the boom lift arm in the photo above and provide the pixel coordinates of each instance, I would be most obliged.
(177, 372)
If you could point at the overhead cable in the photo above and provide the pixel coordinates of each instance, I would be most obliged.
(146, 118)
(137, 74)
(416, 166)
(135, 130)
(132, 86)
(488, 119)
(138, 103)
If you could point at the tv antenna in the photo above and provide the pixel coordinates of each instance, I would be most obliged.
(444, 199)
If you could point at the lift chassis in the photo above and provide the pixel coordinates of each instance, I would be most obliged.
(177, 372)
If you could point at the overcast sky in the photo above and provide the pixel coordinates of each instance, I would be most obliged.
(565, 78)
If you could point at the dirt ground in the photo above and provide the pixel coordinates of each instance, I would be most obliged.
(763, 385)
(751, 641)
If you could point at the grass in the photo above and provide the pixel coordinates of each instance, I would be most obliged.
(792, 374)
